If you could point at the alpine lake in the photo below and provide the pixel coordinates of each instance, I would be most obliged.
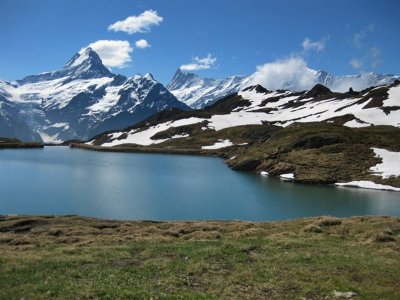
(126, 186)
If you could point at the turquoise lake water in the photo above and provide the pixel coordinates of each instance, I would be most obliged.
(60, 180)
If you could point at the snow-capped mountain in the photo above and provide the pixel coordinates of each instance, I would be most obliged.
(198, 92)
(10, 123)
(85, 65)
(256, 105)
(356, 82)
(79, 101)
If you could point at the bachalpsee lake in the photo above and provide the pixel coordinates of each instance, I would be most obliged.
(61, 181)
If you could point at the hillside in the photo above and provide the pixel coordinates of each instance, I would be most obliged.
(317, 136)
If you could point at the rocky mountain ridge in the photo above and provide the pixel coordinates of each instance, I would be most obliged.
(78, 101)
(198, 92)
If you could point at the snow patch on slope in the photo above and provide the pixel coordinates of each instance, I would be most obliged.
(288, 176)
(108, 101)
(368, 185)
(218, 145)
(394, 97)
(356, 124)
(219, 122)
(311, 111)
(144, 137)
(55, 93)
(390, 165)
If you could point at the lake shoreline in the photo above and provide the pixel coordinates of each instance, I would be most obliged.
(73, 256)
(222, 153)
(8, 143)
(141, 149)
(229, 154)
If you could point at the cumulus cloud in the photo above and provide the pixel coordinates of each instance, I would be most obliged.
(317, 46)
(140, 23)
(142, 44)
(113, 53)
(291, 73)
(200, 63)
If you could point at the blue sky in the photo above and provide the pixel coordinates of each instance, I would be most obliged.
(218, 37)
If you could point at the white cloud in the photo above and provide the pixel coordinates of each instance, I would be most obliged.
(113, 53)
(200, 63)
(357, 64)
(369, 55)
(142, 44)
(375, 56)
(140, 23)
(371, 58)
(291, 73)
(359, 36)
(318, 46)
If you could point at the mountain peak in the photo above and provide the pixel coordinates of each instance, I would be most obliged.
(148, 76)
(317, 91)
(86, 64)
(83, 65)
(180, 79)
(87, 57)
(258, 88)
(137, 77)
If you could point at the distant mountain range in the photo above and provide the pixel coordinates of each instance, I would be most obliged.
(198, 92)
(359, 82)
(78, 101)
(84, 98)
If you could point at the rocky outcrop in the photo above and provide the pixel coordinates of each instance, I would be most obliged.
(321, 153)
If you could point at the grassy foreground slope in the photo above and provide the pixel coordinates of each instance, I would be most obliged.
(76, 257)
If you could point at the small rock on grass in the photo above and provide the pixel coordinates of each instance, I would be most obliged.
(344, 295)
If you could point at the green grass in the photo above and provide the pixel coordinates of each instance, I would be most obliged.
(70, 257)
